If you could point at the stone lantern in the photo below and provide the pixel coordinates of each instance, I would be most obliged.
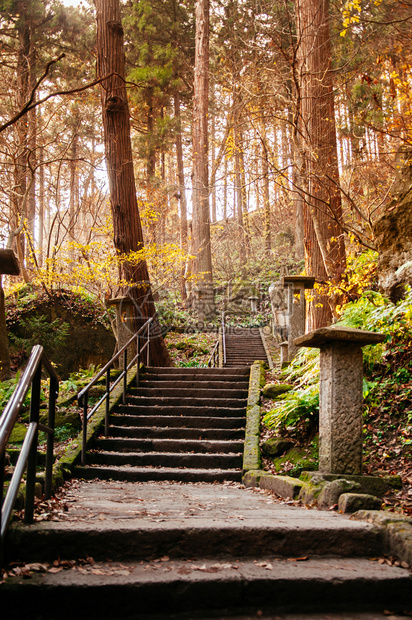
(296, 308)
(340, 395)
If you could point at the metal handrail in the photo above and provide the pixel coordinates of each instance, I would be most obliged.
(224, 338)
(83, 395)
(28, 454)
(214, 356)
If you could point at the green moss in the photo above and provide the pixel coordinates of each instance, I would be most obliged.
(18, 433)
(295, 461)
(273, 390)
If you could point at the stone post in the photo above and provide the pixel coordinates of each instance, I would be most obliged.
(284, 354)
(340, 395)
(296, 285)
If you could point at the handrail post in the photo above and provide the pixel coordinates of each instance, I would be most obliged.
(124, 377)
(148, 345)
(84, 440)
(138, 361)
(53, 386)
(106, 417)
(32, 460)
(2, 466)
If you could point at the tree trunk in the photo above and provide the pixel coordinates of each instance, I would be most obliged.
(319, 141)
(182, 190)
(5, 371)
(128, 235)
(204, 297)
(41, 208)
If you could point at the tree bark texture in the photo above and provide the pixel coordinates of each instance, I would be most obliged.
(319, 139)
(201, 217)
(128, 234)
(182, 190)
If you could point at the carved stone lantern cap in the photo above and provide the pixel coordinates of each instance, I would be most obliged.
(338, 334)
(119, 300)
(304, 281)
(9, 265)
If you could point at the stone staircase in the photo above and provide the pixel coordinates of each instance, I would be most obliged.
(182, 424)
(172, 550)
(244, 346)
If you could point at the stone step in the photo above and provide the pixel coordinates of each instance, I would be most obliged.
(185, 393)
(188, 376)
(177, 410)
(195, 384)
(149, 474)
(166, 459)
(169, 432)
(187, 589)
(194, 371)
(237, 528)
(180, 421)
(179, 402)
(169, 445)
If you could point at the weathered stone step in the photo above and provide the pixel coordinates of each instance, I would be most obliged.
(185, 393)
(180, 421)
(169, 432)
(194, 371)
(179, 402)
(177, 410)
(166, 459)
(187, 376)
(225, 586)
(169, 445)
(195, 384)
(146, 474)
(238, 532)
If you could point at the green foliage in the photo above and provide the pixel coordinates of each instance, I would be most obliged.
(392, 361)
(37, 330)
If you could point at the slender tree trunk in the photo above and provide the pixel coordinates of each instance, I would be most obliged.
(41, 208)
(225, 192)
(213, 153)
(204, 299)
(5, 371)
(243, 195)
(182, 190)
(128, 234)
(266, 196)
(74, 179)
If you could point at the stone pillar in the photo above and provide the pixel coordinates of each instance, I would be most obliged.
(284, 354)
(296, 285)
(340, 395)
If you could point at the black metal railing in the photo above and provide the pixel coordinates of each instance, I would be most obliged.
(223, 339)
(83, 397)
(214, 357)
(38, 361)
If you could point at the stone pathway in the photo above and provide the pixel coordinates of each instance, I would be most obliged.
(201, 551)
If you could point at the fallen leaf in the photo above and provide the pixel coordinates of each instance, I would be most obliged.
(302, 559)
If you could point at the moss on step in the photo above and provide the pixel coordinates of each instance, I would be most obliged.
(251, 453)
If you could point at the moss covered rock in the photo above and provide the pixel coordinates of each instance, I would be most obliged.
(273, 390)
(276, 446)
(18, 433)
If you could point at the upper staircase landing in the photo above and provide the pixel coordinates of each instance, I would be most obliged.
(244, 346)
